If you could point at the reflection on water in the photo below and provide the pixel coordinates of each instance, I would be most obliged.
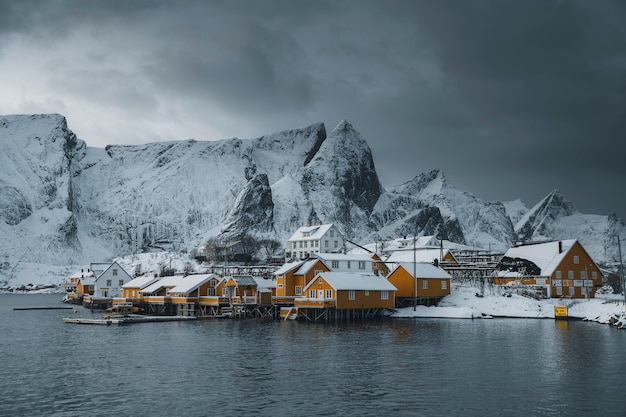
(508, 367)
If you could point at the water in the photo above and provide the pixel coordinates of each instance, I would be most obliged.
(434, 367)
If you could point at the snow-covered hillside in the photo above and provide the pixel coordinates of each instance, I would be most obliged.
(63, 204)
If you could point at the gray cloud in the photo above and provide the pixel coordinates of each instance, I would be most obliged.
(510, 98)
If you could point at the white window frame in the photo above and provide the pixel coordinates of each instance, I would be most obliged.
(576, 259)
(384, 295)
(351, 295)
(361, 264)
(424, 284)
(329, 293)
(311, 293)
(298, 289)
(444, 284)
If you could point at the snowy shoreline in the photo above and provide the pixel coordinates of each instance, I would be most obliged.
(463, 303)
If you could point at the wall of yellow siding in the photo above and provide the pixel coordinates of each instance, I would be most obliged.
(567, 264)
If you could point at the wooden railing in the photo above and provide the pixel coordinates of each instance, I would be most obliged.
(314, 302)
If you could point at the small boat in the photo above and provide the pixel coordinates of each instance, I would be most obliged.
(121, 310)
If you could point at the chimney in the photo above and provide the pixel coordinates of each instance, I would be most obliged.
(560, 246)
(319, 222)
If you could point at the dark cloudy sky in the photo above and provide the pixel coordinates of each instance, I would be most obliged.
(511, 99)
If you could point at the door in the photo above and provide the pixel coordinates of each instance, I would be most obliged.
(320, 294)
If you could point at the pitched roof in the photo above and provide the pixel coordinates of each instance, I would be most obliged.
(545, 255)
(246, 280)
(315, 232)
(421, 255)
(140, 282)
(307, 265)
(423, 270)
(164, 282)
(288, 267)
(191, 283)
(356, 281)
(265, 283)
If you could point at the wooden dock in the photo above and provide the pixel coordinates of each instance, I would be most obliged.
(45, 308)
(127, 320)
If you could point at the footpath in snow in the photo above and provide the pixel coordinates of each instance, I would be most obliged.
(463, 303)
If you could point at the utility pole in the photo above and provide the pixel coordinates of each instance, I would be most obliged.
(414, 275)
(621, 269)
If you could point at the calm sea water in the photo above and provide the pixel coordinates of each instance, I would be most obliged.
(430, 367)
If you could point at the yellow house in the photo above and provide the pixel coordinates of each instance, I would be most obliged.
(292, 277)
(560, 268)
(238, 289)
(432, 282)
(131, 291)
(348, 290)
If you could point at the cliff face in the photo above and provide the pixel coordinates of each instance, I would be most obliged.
(63, 203)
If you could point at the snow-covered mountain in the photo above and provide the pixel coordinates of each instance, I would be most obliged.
(63, 203)
(557, 217)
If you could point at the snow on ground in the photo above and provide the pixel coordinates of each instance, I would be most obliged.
(464, 302)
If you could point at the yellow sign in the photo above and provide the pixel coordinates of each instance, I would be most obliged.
(560, 311)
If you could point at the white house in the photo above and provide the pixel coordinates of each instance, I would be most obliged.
(340, 262)
(321, 238)
(109, 279)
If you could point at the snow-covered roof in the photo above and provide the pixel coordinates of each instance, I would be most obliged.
(265, 283)
(191, 283)
(82, 274)
(423, 270)
(545, 255)
(246, 280)
(140, 282)
(307, 265)
(356, 281)
(165, 282)
(288, 267)
(88, 280)
(421, 255)
(311, 232)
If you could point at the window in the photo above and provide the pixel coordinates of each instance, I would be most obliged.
(300, 244)
(280, 285)
(424, 284)
(583, 274)
(558, 274)
(576, 259)
(570, 274)
(361, 264)
(212, 283)
(108, 282)
(349, 264)
(319, 281)
(559, 290)
(298, 289)
(444, 284)
(306, 244)
(336, 244)
(114, 272)
(325, 243)
(224, 292)
(210, 292)
(594, 275)
(384, 295)
(335, 264)
(332, 233)
(318, 271)
(120, 283)
(351, 295)
(367, 293)
(311, 293)
(329, 293)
